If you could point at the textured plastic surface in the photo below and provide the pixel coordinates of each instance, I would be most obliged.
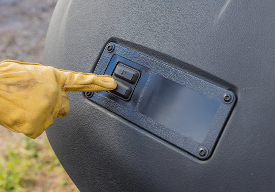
(180, 108)
(224, 41)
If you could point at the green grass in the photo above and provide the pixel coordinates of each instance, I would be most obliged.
(26, 163)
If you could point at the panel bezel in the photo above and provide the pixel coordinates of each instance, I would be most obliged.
(148, 67)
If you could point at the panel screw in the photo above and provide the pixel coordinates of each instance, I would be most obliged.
(89, 94)
(227, 98)
(110, 47)
(202, 152)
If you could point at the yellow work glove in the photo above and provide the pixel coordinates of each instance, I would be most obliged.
(33, 95)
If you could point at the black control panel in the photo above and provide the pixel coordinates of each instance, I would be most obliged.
(175, 106)
(131, 79)
(127, 78)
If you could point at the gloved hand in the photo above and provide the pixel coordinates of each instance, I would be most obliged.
(33, 95)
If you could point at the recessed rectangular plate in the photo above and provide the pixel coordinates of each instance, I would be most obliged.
(182, 109)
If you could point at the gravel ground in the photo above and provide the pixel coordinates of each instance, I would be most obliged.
(23, 27)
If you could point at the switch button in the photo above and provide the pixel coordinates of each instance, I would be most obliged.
(122, 90)
(126, 73)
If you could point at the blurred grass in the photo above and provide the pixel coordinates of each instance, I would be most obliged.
(25, 164)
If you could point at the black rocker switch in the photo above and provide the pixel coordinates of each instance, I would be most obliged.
(126, 73)
(122, 90)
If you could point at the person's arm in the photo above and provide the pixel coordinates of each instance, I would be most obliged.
(32, 96)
